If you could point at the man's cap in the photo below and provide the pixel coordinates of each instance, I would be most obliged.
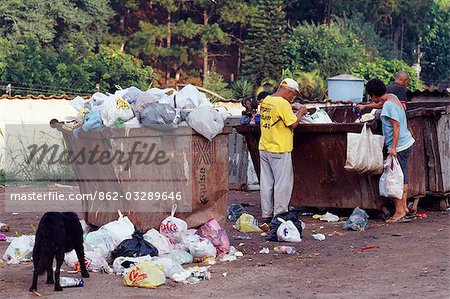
(290, 83)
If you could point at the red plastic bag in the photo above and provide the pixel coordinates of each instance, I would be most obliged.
(212, 231)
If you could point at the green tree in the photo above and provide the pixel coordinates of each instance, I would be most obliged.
(386, 70)
(263, 51)
(328, 49)
(436, 46)
(55, 22)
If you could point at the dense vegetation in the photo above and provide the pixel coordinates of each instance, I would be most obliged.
(74, 46)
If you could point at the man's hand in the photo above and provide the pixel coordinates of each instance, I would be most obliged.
(392, 151)
(301, 112)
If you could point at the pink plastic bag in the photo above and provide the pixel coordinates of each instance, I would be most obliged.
(212, 231)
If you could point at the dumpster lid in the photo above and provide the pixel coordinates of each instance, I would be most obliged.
(345, 77)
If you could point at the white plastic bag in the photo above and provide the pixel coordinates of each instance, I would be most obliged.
(200, 247)
(161, 242)
(206, 121)
(172, 227)
(318, 117)
(114, 108)
(288, 232)
(180, 256)
(121, 229)
(170, 266)
(391, 181)
(117, 264)
(20, 250)
(365, 152)
(189, 97)
(94, 261)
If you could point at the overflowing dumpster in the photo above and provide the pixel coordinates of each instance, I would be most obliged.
(208, 174)
(319, 156)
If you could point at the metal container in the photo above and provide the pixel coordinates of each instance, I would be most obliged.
(345, 88)
(238, 157)
(209, 176)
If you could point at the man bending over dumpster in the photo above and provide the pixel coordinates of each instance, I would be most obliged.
(275, 146)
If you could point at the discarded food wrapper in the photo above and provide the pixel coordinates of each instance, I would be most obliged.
(364, 248)
(243, 237)
(285, 249)
(4, 227)
(67, 282)
(265, 250)
(319, 237)
(358, 220)
(421, 215)
(329, 217)
(265, 227)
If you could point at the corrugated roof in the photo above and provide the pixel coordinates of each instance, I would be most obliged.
(37, 97)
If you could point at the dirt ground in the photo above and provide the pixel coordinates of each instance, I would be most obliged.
(412, 261)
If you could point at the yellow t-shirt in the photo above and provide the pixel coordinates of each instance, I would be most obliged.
(276, 137)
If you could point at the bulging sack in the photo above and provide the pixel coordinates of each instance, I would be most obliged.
(212, 231)
(391, 181)
(247, 223)
(365, 152)
(145, 275)
(172, 227)
(161, 242)
(206, 121)
(288, 232)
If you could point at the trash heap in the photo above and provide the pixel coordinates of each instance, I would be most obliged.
(164, 109)
(144, 259)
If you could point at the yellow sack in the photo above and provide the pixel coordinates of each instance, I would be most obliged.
(247, 224)
(145, 275)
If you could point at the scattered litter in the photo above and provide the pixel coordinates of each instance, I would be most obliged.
(4, 227)
(364, 248)
(15, 214)
(285, 249)
(309, 255)
(193, 275)
(319, 237)
(3, 237)
(247, 223)
(212, 231)
(265, 250)
(358, 220)
(263, 234)
(335, 233)
(329, 217)
(37, 294)
(288, 232)
(235, 211)
(224, 274)
(317, 216)
(66, 282)
(265, 227)
(239, 254)
(396, 235)
(292, 216)
(421, 215)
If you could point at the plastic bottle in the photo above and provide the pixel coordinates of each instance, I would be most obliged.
(284, 249)
(66, 282)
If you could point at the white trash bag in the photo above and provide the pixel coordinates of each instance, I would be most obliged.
(172, 227)
(206, 121)
(200, 247)
(318, 117)
(391, 181)
(161, 242)
(19, 250)
(94, 261)
(365, 152)
(288, 232)
(170, 266)
(114, 108)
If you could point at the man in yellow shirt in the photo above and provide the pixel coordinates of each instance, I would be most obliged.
(275, 146)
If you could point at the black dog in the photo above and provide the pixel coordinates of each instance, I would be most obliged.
(57, 234)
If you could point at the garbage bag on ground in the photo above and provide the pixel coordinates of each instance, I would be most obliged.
(365, 152)
(136, 246)
(19, 250)
(200, 247)
(145, 275)
(121, 264)
(114, 108)
(292, 216)
(329, 217)
(161, 242)
(170, 266)
(94, 261)
(288, 232)
(158, 114)
(391, 181)
(247, 223)
(172, 227)
(212, 231)
(206, 121)
(358, 220)
(235, 211)
(180, 256)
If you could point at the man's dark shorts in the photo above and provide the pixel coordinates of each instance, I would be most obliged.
(403, 158)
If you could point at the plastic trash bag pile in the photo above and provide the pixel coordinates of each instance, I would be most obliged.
(164, 109)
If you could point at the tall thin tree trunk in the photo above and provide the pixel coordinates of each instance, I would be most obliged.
(168, 41)
(401, 39)
(239, 52)
(205, 46)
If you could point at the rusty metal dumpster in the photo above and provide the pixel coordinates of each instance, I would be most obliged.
(209, 175)
(319, 156)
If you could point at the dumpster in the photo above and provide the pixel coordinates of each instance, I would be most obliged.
(319, 156)
(238, 156)
(208, 175)
(437, 149)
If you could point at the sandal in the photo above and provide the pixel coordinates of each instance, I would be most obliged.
(401, 220)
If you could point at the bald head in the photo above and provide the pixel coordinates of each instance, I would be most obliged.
(402, 78)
